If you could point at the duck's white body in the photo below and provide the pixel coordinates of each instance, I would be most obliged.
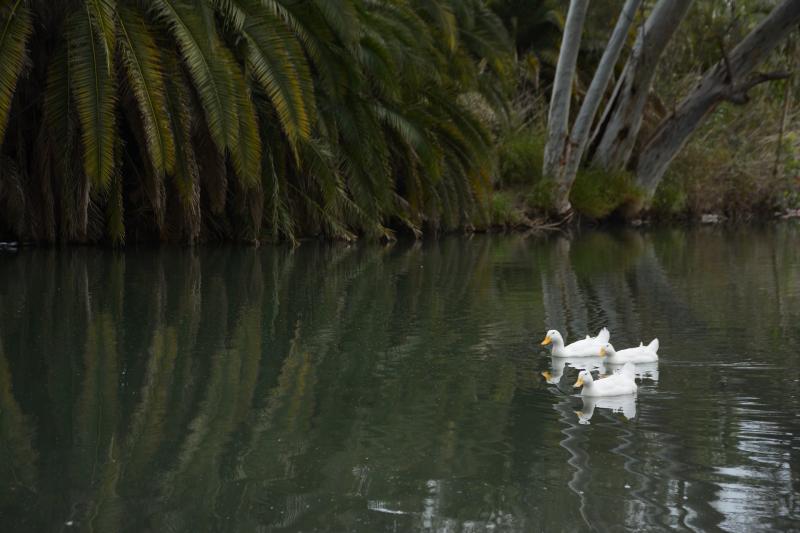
(648, 371)
(623, 382)
(588, 347)
(625, 404)
(640, 354)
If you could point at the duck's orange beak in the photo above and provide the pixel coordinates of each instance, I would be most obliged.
(603, 351)
(547, 340)
(579, 383)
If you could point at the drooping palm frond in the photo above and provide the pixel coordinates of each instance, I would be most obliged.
(340, 117)
(277, 62)
(374, 56)
(12, 196)
(102, 13)
(407, 130)
(93, 91)
(366, 155)
(328, 50)
(443, 20)
(186, 173)
(145, 71)
(330, 212)
(485, 38)
(279, 220)
(232, 14)
(298, 25)
(15, 29)
(213, 176)
(61, 129)
(200, 47)
(58, 107)
(246, 155)
(342, 17)
(115, 208)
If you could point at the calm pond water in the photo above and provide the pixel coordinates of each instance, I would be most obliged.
(370, 388)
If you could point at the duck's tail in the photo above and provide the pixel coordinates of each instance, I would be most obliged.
(603, 335)
(629, 370)
(653, 345)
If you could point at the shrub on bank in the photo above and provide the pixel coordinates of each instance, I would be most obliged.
(597, 194)
(520, 158)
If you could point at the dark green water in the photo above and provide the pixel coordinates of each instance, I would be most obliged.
(370, 388)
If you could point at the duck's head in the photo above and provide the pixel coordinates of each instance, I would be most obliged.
(584, 378)
(553, 337)
(607, 349)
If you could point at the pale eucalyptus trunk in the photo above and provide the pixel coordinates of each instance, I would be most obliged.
(558, 117)
(728, 80)
(579, 137)
(623, 117)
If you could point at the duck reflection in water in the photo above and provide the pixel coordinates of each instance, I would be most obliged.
(618, 404)
(643, 370)
(558, 364)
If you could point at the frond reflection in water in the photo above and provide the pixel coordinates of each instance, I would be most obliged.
(376, 388)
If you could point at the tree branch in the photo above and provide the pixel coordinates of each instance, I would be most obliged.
(737, 94)
(726, 60)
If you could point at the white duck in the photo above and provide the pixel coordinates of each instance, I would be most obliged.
(588, 347)
(623, 382)
(640, 354)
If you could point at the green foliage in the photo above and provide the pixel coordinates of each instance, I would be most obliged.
(520, 157)
(208, 64)
(523, 192)
(95, 98)
(733, 165)
(15, 29)
(536, 25)
(540, 197)
(597, 193)
(505, 211)
(116, 211)
(670, 199)
(102, 14)
(248, 118)
(145, 71)
(276, 60)
(246, 153)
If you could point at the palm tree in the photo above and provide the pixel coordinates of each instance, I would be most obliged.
(179, 119)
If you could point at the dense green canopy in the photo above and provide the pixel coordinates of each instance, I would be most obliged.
(246, 120)
(202, 119)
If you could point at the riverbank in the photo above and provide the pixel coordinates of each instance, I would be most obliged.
(717, 177)
(510, 211)
(519, 223)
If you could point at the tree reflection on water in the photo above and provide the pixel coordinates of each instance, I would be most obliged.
(365, 387)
